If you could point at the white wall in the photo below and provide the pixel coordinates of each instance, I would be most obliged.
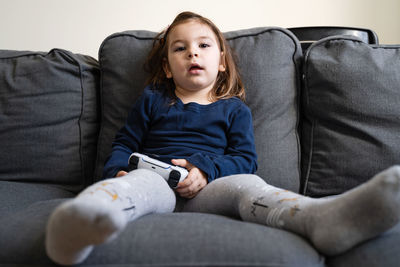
(81, 25)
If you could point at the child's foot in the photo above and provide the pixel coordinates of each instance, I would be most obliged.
(77, 225)
(364, 212)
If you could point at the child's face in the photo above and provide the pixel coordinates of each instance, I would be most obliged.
(194, 57)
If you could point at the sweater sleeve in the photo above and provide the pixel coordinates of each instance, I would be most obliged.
(240, 155)
(130, 137)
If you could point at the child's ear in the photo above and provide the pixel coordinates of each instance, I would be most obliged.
(167, 71)
(222, 64)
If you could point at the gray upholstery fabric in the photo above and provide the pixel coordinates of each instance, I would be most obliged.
(351, 108)
(177, 239)
(16, 196)
(193, 239)
(22, 235)
(268, 59)
(49, 117)
(381, 251)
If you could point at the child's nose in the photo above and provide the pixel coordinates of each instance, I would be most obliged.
(193, 53)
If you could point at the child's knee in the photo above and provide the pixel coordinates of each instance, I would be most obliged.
(252, 178)
(242, 180)
(148, 175)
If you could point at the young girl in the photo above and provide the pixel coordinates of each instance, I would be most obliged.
(192, 115)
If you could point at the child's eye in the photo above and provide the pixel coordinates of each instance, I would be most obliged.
(204, 45)
(180, 48)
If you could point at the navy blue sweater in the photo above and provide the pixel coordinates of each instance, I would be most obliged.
(216, 138)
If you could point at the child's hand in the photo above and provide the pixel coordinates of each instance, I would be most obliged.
(194, 182)
(121, 173)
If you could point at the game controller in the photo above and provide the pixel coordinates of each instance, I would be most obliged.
(172, 174)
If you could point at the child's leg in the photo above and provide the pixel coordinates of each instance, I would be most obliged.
(101, 211)
(333, 225)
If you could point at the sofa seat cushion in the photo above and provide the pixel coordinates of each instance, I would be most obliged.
(175, 239)
(269, 61)
(49, 117)
(383, 250)
(16, 196)
(351, 114)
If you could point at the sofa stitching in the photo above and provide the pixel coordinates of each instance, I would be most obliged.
(307, 104)
(83, 174)
(310, 155)
(43, 54)
(101, 130)
(298, 66)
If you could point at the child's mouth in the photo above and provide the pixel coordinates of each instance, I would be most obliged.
(195, 68)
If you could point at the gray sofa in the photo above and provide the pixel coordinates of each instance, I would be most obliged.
(324, 122)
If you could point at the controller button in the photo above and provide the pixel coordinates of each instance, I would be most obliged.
(173, 179)
(133, 163)
(174, 174)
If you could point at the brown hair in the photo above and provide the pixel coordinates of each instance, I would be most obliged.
(228, 83)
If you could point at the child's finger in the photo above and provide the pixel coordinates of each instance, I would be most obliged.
(121, 173)
(186, 183)
(182, 163)
(179, 162)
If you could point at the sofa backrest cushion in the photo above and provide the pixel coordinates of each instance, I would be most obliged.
(352, 114)
(268, 60)
(49, 117)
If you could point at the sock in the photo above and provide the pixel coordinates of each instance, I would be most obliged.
(101, 212)
(333, 225)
